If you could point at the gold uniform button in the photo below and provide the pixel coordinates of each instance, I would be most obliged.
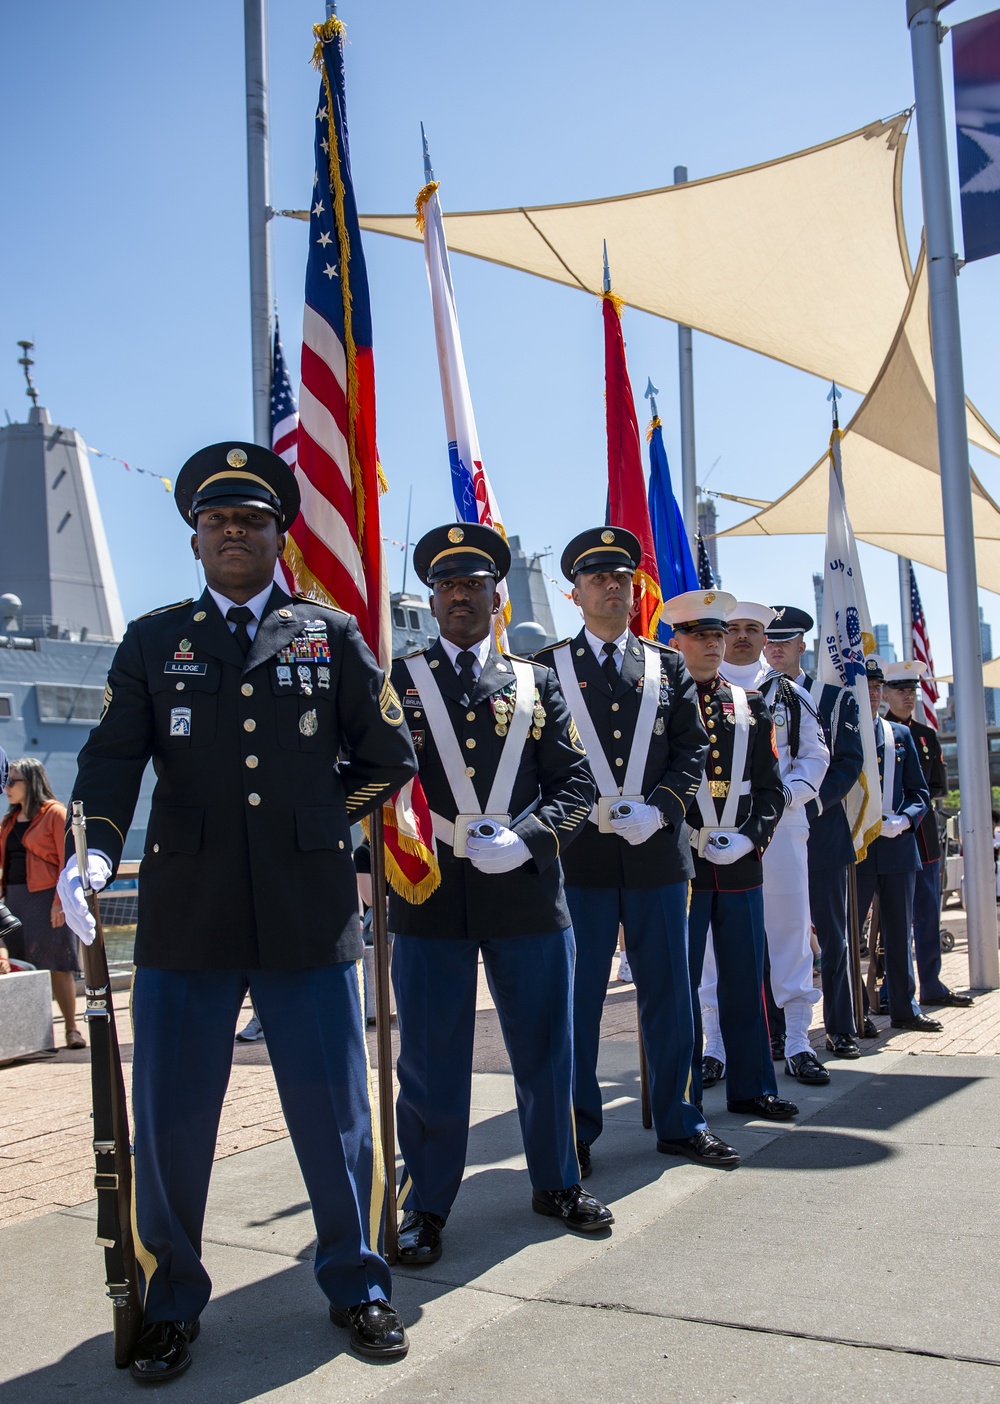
(617, 735)
(247, 689)
(712, 736)
(715, 754)
(249, 724)
(340, 843)
(470, 716)
(252, 762)
(200, 616)
(469, 771)
(718, 770)
(253, 799)
(179, 687)
(470, 744)
(614, 706)
(156, 848)
(619, 761)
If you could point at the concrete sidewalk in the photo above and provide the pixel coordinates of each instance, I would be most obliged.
(852, 1257)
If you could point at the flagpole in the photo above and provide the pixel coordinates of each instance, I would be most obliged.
(906, 604)
(685, 360)
(259, 214)
(383, 1032)
(956, 496)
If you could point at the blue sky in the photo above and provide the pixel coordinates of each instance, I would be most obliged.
(123, 244)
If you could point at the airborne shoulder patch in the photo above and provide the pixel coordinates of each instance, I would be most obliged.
(388, 702)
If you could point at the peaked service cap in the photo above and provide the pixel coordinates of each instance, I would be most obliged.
(234, 474)
(601, 548)
(460, 548)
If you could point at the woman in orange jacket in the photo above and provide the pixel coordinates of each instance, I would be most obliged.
(31, 856)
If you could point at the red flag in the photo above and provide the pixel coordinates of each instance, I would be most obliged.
(627, 503)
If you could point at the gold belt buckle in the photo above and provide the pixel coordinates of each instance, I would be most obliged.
(718, 789)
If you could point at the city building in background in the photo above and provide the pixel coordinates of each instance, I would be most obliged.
(991, 694)
(883, 646)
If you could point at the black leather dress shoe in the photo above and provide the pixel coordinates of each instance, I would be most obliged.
(842, 1046)
(869, 1029)
(712, 1071)
(771, 1108)
(583, 1156)
(376, 1330)
(777, 1049)
(705, 1148)
(419, 1241)
(578, 1210)
(161, 1352)
(807, 1068)
(952, 999)
(919, 1023)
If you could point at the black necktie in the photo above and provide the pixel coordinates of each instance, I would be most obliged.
(466, 676)
(241, 615)
(610, 665)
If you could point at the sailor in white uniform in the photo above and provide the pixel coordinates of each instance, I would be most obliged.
(803, 758)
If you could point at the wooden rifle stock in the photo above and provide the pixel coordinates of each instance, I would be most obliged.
(112, 1148)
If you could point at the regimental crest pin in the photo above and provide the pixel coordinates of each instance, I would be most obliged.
(309, 722)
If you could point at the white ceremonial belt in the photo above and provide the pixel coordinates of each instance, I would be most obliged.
(445, 829)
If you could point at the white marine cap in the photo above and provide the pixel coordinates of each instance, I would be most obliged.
(761, 614)
(698, 609)
(911, 670)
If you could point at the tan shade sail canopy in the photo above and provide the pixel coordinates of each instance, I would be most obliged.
(802, 258)
(890, 463)
(991, 673)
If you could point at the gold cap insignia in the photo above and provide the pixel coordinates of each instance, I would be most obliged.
(710, 597)
(455, 535)
(607, 537)
(236, 458)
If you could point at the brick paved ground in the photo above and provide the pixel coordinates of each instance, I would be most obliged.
(45, 1158)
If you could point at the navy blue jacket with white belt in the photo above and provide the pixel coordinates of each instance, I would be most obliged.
(910, 796)
(830, 842)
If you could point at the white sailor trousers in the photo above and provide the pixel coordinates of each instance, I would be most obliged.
(787, 922)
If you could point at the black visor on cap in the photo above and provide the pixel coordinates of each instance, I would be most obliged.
(234, 474)
(601, 548)
(693, 626)
(461, 548)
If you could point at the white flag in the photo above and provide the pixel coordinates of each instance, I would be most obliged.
(474, 499)
(845, 638)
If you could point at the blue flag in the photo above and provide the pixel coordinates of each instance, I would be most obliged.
(976, 62)
(673, 554)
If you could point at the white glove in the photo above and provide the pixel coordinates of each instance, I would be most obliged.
(644, 821)
(502, 853)
(70, 890)
(894, 824)
(738, 847)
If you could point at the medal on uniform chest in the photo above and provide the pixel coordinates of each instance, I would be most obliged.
(184, 654)
(323, 677)
(308, 722)
(502, 704)
(659, 726)
(284, 675)
(304, 676)
(537, 717)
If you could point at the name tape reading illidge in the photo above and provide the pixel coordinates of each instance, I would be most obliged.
(197, 670)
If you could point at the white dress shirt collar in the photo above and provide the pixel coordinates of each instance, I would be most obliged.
(257, 605)
(598, 646)
(480, 649)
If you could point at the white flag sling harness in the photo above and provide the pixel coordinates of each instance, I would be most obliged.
(608, 790)
(737, 786)
(463, 791)
(888, 767)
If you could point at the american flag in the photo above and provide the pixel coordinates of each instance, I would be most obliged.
(335, 547)
(284, 411)
(706, 576)
(928, 695)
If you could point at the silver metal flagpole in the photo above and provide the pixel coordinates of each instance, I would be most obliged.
(906, 605)
(689, 472)
(956, 497)
(260, 214)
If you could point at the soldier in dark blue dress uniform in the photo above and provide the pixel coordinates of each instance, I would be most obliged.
(271, 728)
(831, 853)
(900, 691)
(739, 802)
(637, 708)
(890, 866)
(509, 788)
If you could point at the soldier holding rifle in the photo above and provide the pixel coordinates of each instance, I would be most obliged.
(246, 700)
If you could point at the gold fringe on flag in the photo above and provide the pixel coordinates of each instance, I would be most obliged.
(616, 302)
(304, 578)
(413, 892)
(333, 28)
(655, 423)
(422, 197)
(648, 586)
